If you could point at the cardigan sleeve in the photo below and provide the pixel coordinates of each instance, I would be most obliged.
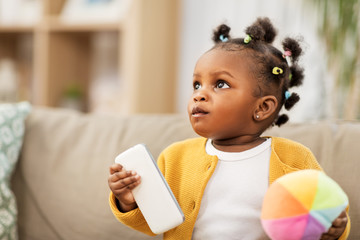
(310, 161)
(133, 219)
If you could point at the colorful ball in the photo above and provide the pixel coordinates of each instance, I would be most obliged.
(301, 205)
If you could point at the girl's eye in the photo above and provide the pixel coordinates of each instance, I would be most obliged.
(197, 85)
(222, 84)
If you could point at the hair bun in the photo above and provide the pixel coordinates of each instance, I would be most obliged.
(281, 120)
(262, 29)
(294, 47)
(290, 102)
(224, 30)
(297, 76)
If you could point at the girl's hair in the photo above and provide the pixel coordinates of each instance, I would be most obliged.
(276, 71)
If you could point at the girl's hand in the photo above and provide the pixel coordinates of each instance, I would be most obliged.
(337, 228)
(121, 182)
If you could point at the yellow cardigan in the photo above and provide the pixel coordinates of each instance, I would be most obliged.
(187, 168)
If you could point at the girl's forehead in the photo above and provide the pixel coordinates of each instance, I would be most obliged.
(218, 63)
(219, 58)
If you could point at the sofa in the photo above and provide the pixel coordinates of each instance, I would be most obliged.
(60, 179)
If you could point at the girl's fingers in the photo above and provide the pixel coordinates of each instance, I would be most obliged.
(115, 168)
(133, 185)
(120, 175)
(128, 187)
(342, 214)
(125, 182)
(118, 172)
(333, 233)
(123, 179)
(340, 222)
(124, 189)
(337, 228)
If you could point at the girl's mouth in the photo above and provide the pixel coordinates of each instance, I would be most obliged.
(198, 112)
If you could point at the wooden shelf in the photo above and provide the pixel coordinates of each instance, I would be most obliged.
(16, 29)
(55, 24)
(61, 53)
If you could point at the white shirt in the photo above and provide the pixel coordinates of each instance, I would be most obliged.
(231, 204)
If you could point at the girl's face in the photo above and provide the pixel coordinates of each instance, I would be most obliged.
(222, 105)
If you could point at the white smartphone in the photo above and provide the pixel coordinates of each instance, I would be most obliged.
(153, 195)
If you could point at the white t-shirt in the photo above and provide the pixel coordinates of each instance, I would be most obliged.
(231, 204)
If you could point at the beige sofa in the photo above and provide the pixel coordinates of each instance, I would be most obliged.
(61, 178)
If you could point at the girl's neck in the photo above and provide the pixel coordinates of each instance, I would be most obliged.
(237, 144)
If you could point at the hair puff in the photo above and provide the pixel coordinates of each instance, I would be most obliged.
(224, 30)
(281, 120)
(297, 76)
(290, 102)
(294, 46)
(262, 29)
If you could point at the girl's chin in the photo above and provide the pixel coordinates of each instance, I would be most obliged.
(202, 133)
(198, 131)
(203, 130)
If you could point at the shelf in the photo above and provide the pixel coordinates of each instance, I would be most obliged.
(16, 29)
(56, 24)
(55, 53)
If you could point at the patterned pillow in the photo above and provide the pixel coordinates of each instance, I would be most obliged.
(11, 135)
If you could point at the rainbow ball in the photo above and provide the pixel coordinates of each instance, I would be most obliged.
(301, 205)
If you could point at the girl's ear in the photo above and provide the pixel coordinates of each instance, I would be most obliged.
(266, 106)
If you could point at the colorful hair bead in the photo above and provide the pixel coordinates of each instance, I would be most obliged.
(247, 39)
(287, 53)
(277, 71)
(287, 95)
(223, 38)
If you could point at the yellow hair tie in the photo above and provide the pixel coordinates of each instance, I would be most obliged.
(277, 71)
(247, 39)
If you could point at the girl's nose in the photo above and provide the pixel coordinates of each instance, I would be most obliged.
(200, 96)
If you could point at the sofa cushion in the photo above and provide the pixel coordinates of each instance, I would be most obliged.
(11, 137)
(61, 178)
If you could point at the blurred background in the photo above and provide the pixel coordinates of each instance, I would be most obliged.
(137, 56)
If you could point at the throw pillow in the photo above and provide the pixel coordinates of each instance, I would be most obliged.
(12, 128)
